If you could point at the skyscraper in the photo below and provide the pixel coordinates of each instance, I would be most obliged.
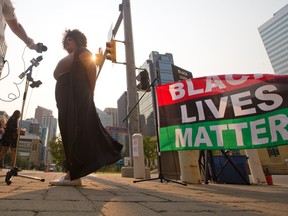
(274, 34)
(162, 68)
(114, 114)
(122, 110)
(40, 112)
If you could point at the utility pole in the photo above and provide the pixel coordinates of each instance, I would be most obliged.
(133, 119)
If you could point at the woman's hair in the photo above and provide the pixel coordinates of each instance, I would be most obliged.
(79, 37)
(16, 114)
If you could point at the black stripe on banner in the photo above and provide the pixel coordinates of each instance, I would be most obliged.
(269, 93)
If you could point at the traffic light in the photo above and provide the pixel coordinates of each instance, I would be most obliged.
(143, 79)
(111, 50)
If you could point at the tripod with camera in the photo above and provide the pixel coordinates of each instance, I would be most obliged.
(28, 73)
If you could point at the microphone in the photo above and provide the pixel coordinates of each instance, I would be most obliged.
(35, 62)
(41, 48)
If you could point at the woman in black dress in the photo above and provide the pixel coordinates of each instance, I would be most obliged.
(87, 145)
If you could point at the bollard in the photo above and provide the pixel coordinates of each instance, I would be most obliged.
(269, 179)
(138, 156)
(190, 172)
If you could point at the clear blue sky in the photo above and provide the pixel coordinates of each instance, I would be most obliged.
(205, 37)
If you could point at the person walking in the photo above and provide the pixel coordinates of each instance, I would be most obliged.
(10, 138)
(2, 131)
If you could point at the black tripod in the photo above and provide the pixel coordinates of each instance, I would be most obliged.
(161, 175)
(14, 170)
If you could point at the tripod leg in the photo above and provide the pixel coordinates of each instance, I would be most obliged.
(31, 177)
(14, 172)
(161, 178)
(9, 175)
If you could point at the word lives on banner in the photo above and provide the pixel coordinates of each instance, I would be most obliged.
(240, 111)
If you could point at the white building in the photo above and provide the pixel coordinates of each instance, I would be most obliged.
(274, 34)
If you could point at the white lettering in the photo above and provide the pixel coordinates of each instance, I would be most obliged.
(191, 89)
(180, 140)
(184, 115)
(280, 128)
(214, 82)
(219, 135)
(202, 137)
(238, 132)
(222, 107)
(257, 131)
(230, 79)
(176, 91)
(237, 104)
(275, 98)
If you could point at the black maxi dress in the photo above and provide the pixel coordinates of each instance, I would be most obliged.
(88, 146)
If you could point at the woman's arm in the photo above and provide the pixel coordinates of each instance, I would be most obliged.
(86, 59)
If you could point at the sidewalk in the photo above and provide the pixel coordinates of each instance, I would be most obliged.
(110, 194)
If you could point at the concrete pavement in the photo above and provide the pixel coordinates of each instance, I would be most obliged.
(111, 194)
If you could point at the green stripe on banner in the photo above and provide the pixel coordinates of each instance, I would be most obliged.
(262, 131)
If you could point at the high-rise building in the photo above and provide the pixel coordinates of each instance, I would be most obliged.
(105, 118)
(122, 105)
(160, 66)
(274, 34)
(50, 122)
(40, 112)
(114, 114)
(48, 128)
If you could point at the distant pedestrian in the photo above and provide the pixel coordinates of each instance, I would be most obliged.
(10, 138)
(2, 131)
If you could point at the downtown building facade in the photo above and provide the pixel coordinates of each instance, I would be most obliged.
(274, 34)
(161, 70)
(122, 112)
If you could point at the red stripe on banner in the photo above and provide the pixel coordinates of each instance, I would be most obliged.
(184, 90)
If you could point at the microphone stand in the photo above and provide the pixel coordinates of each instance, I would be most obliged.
(14, 170)
(161, 176)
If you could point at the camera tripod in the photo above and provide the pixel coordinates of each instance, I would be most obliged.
(14, 170)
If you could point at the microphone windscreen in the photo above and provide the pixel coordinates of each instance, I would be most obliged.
(39, 58)
(44, 48)
(40, 48)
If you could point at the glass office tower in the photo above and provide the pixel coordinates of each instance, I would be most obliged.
(274, 34)
(158, 66)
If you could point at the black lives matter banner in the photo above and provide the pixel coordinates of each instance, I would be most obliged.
(224, 112)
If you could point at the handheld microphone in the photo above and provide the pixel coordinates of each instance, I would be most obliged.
(41, 48)
(35, 62)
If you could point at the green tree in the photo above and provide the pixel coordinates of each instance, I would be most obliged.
(150, 151)
(56, 150)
